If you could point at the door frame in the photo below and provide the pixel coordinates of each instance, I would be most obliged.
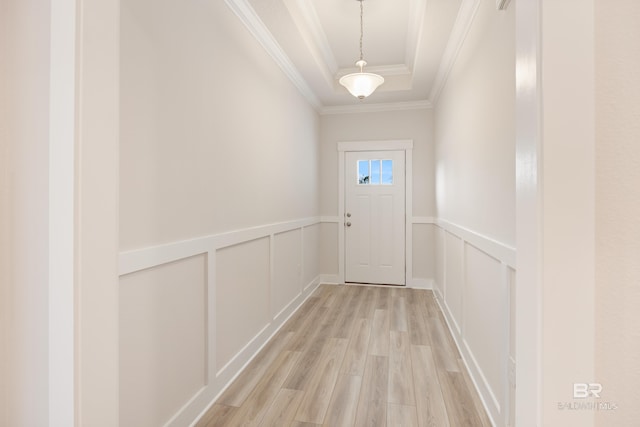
(405, 145)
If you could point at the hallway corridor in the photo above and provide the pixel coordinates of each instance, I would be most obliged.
(355, 356)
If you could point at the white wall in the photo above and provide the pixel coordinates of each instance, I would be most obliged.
(475, 200)
(219, 190)
(567, 206)
(96, 214)
(24, 218)
(5, 198)
(214, 136)
(416, 125)
(475, 130)
(617, 269)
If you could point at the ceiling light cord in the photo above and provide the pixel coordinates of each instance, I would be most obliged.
(361, 30)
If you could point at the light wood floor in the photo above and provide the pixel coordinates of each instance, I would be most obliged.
(355, 356)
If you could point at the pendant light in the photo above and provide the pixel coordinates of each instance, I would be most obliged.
(361, 84)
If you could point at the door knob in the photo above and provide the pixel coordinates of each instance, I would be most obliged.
(348, 223)
(348, 215)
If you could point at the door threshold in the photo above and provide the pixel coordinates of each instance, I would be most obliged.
(379, 285)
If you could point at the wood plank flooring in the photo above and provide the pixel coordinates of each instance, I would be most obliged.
(355, 356)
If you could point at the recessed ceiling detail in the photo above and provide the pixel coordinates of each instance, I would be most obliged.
(411, 43)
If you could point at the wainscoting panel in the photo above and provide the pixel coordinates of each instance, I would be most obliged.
(242, 297)
(329, 247)
(195, 312)
(161, 366)
(311, 253)
(454, 270)
(475, 287)
(486, 307)
(287, 267)
(438, 285)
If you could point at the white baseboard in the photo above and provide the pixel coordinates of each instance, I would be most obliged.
(419, 283)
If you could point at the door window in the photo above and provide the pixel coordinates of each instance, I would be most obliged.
(375, 172)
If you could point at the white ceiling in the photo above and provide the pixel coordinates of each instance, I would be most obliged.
(411, 43)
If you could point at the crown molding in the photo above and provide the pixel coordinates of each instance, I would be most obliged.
(256, 27)
(306, 18)
(461, 27)
(417, 9)
(374, 108)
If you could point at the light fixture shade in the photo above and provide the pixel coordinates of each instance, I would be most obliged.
(361, 84)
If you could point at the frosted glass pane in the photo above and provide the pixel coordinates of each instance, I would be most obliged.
(363, 171)
(375, 172)
(387, 172)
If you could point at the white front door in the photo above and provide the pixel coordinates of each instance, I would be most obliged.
(375, 217)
